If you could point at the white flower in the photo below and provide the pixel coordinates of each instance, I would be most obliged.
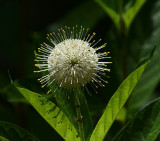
(71, 59)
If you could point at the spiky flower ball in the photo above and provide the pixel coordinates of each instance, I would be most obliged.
(72, 59)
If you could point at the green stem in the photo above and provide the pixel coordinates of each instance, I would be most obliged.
(79, 118)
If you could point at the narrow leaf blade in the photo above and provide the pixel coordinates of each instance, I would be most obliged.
(135, 6)
(52, 114)
(111, 9)
(116, 103)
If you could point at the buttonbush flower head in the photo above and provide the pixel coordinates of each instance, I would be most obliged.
(72, 59)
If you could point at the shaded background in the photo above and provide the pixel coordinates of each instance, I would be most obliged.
(24, 25)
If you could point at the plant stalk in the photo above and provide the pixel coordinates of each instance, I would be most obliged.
(79, 118)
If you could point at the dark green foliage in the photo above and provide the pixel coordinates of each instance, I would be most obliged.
(132, 30)
(14, 133)
(144, 126)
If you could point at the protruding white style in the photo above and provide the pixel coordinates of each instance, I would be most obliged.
(71, 59)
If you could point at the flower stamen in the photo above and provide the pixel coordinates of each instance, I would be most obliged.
(71, 59)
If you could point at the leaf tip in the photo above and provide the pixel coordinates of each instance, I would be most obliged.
(10, 77)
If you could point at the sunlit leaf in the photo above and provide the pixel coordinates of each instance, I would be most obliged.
(3, 139)
(116, 103)
(15, 133)
(144, 126)
(51, 113)
(122, 115)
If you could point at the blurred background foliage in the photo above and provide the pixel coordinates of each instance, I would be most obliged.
(131, 29)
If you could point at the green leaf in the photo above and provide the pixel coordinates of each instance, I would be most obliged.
(51, 113)
(110, 8)
(132, 9)
(144, 126)
(122, 115)
(117, 13)
(14, 133)
(3, 139)
(116, 103)
(146, 86)
(11, 94)
(146, 59)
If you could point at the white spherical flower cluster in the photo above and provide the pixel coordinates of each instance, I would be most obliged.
(73, 62)
(72, 59)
